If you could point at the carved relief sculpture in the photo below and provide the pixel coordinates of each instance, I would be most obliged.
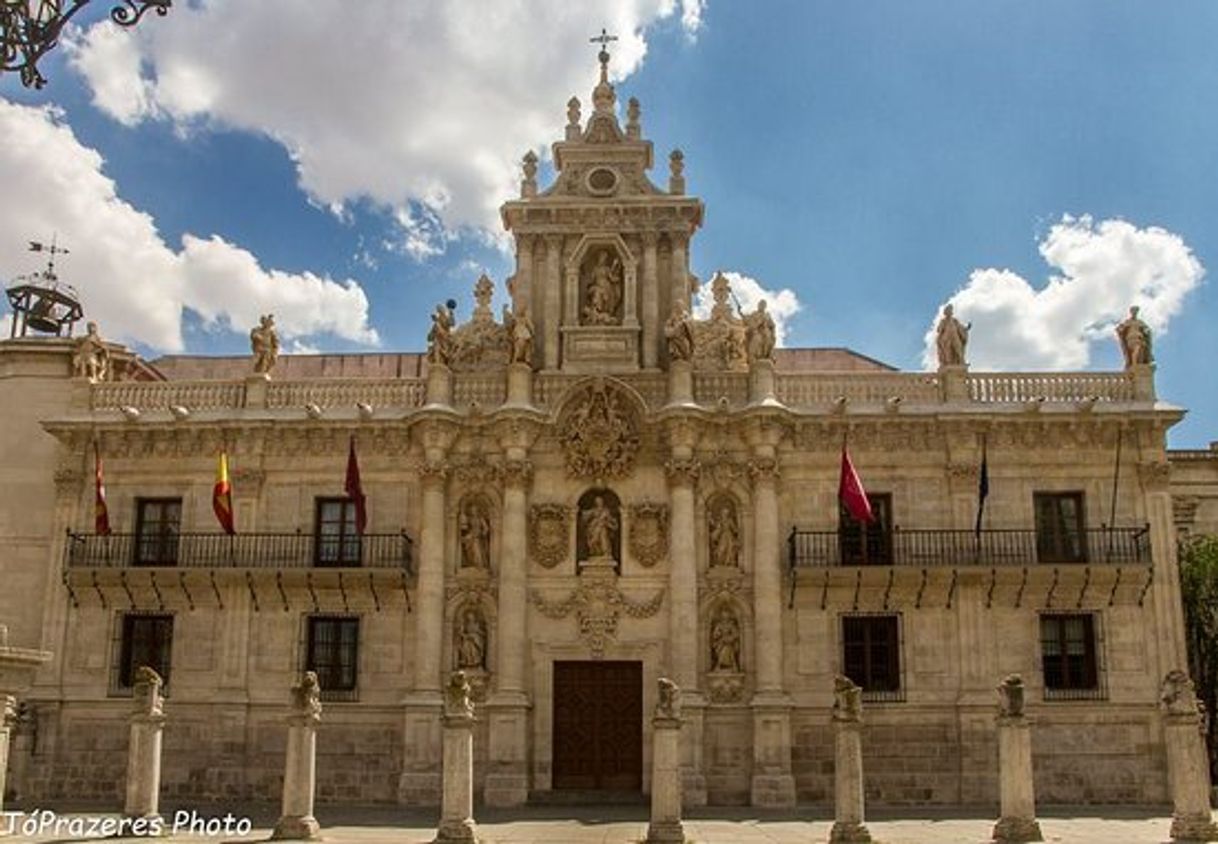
(723, 532)
(599, 435)
(603, 290)
(264, 344)
(679, 334)
(1134, 337)
(1010, 697)
(475, 530)
(648, 533)
(725, 641)
(548, 533)
(469, 641)
(597, 605)
(720, 341)
(457, 700)
(91, 357)
(951, 338)
(760, 333)
(481, 343)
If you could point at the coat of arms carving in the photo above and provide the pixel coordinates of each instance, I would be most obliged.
(597, 606)
(549, 533)
(599, 432)
(648, 533)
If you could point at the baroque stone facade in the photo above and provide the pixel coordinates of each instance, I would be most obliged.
(596, 478)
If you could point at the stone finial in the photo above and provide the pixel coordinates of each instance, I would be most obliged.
(951, 339)
(306, 698)
(264, 344)
(676, 172)
(1011, 697)
(847, 699)
(91, 356)
(669, 703)
(528, 164)
(457, 701)
(1134, 337)
(634, 129)
(1177, 695)
(574, 129)
(147, 691)
(484, 291)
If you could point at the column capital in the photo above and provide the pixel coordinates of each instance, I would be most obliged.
(763, 470)
(650, 238)
(524, 241)
(683, 471)
(1155, 475)
(516, 472)
(434, 471)
(553, 239)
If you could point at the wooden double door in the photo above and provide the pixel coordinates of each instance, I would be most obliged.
(598, 726)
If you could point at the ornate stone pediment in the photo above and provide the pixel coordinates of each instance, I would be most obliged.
(480, 343)
(599, 431)
(597, 605)
(648, 533)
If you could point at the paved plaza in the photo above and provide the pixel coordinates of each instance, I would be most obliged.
(622, 824)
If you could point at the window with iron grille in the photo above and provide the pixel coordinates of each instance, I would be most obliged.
(142, 639)
(158, 522)
(1060, 535)
(869, 544)
(336, 539)
(332, 650)
(1069, 655)
(871, 654)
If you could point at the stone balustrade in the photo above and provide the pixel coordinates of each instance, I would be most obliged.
(999, 387)
(810, 389)
(342, 392)
(155, 395)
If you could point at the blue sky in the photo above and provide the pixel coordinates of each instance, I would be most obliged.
(871, 158)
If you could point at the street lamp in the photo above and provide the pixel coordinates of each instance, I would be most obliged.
(30, 28)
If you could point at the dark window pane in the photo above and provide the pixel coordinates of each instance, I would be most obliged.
(147, 640)
(871, 656)
(333, 652)
(1068, 651)
(872, 545)
(1060, 537)
(336, 539)
(158, 523)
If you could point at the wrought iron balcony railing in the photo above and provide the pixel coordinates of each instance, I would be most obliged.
(239, 551)
(929, 548)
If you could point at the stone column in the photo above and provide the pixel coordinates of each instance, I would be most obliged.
(1016, 788)
(8, 720)
(665, 825)
(1188, 773)
(773, 784)
(507, 778)
(420, 780)
(1155, 475)
(144, 750)
(520, 384)
(457, 805)
(300, 766)
(680, 267)
(848, 823)
(761, 381)
(522, 288)
(683, 589)
(1143, 375)
(553, 299)
(651, 302)
(439, 384)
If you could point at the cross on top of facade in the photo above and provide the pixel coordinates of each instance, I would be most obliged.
(603, 39)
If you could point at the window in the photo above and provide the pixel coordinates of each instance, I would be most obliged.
(142, 640)
(158, 522)
(872, 546)
(1068, 656)
(336, 538)
(871, 654)
(332, 650)
(1059, 527)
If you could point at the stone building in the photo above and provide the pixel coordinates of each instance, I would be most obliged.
(572, 498)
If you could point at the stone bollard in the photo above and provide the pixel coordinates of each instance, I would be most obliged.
(300, 767)
(1017, 793)
(1187, 765)
(144, 749)
(665, 822)
(848, 768)
(457, 801)
(520, 384)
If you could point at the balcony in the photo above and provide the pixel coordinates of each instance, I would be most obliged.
(990, 548)
(267, 551)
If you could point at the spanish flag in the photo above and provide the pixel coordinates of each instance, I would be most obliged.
(222, 496)
(101, 515)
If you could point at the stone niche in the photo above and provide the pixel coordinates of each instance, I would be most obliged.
(600, 330)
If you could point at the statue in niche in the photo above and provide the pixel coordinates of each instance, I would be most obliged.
(91, 358)
(520, 334)
(724, 536)
(951, 338)
(439, 338)
(725, 642)
(264, 344)
(1134, 336)
(475, 528)
(603, 294)
(600, 526)
(760, 333)
(679, 334)
(470, 641)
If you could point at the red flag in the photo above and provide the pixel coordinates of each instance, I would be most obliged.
(222, 496)
(355, 491)
(850, 491)
(101, 516)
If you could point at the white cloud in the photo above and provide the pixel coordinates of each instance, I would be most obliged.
(297, 347)
(782, 304)
(130, 281)
(1102, 269)
(397, 102)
